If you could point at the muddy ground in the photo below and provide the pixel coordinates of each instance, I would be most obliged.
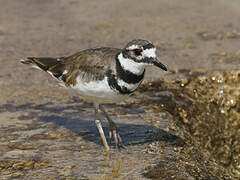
(48, 133)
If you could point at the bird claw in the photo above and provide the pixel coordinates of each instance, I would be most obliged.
(113, 134)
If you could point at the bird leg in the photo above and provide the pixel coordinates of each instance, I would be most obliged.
(100, 129)
(113, 129)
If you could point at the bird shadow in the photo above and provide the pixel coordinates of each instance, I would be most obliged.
(78, 118)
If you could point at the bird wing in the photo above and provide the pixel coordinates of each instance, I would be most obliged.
(90, 64)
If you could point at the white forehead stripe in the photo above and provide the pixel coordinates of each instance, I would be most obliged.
(149, 53)
(130, 65)
(133, 47)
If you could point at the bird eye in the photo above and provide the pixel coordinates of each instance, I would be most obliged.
(137, 52)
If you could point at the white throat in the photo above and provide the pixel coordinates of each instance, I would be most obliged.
(131, 65)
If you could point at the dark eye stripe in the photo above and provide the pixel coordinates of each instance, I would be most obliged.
(148, 46)
(137, 52)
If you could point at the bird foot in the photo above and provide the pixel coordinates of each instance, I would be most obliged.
(113, 134)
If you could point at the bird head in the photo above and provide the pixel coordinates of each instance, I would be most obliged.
(143, 52)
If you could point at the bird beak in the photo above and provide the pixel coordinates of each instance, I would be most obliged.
(157, 63)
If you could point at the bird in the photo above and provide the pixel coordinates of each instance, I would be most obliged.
(102, 75)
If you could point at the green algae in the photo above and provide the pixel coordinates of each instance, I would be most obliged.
(207, 109)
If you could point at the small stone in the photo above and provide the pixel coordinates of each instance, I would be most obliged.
(29, 165)
(16, 175)
(223, 54)
(67, 168)
(18, 165)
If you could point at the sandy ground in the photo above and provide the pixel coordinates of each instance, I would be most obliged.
(45, 125)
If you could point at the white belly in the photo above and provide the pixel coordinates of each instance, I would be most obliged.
(97, 91)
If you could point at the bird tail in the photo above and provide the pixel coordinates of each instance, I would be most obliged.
(53, 66)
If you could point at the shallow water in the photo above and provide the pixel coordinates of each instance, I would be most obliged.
(182, 129)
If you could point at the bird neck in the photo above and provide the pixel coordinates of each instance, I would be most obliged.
(124, 80)
(130, 65)
(129, 71)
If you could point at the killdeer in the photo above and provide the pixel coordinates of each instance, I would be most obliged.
(102, 75)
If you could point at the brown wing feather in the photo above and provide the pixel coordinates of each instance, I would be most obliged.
(90, 64)
(48, 64)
